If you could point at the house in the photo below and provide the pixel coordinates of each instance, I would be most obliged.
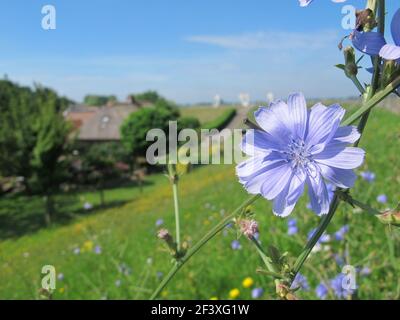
(99, 124)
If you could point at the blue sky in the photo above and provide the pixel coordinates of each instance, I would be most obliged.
(187, 50)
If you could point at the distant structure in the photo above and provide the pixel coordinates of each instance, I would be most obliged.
(102, 123)
(270, 97)
(217, 101)
(244, 99)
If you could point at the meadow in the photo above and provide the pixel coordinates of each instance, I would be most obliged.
(113, 252)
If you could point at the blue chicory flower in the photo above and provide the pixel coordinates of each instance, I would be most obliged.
(159, 222)
(337, 285)
(256, 293)
(292, 227)
(339, 259)
(236, 245)
(331, 192)
(382, 198)
(325, 238)
(97, 250)
(368, 176)
(301, 282)
(321, 291)
(374, 43)
(365, 271)
(340, 234)
(297, 146)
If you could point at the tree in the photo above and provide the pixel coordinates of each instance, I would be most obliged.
(99, 166)
(98, 100)
(33, 139)
(135, 128)
(147, 96)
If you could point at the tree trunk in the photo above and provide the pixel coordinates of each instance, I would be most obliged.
(102, 200)
(49, 209)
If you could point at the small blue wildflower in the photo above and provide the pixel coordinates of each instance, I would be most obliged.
(299, 147)
(323, 239)
(60, 276)
(340, 234)
(159, 274)
(97, 249)
(301, 282)
(365, 271)
(87, 206)
(256, 293)
(77, 251)
(339, 259)
(118, 283)
(159, 222)
(382, 198)
(236, 245)
(338, 287)
(368, 176)
(321, 291)
(292, 227)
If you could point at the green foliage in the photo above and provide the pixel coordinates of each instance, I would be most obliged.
(33, 136)
(188, 123)
(97, 100)
(220, 122)
(147, 97)
(135, 128)
(98, 164)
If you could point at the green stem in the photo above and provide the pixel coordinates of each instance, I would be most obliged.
(368, 105)
(265, 258)
(174, 181)
(353, 202)
(177, 220)
(208, 236)
(317, 234)
(371, 101)
(358, 84)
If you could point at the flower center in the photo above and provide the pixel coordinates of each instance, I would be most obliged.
(297, 153)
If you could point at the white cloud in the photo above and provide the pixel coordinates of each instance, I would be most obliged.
(279, 40)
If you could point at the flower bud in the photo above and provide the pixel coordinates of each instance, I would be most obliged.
(390, 71)
(164, 234)
(390, 217)
(365, 20)
(350, 68)
(249, 228)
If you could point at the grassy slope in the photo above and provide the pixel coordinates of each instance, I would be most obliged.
(204, 114)
(127, 235)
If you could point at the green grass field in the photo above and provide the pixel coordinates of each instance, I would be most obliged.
(132, 260)
(203, 113)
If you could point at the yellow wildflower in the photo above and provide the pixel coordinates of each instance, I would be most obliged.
(247, 282)
(234, 293)
(87, 246)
